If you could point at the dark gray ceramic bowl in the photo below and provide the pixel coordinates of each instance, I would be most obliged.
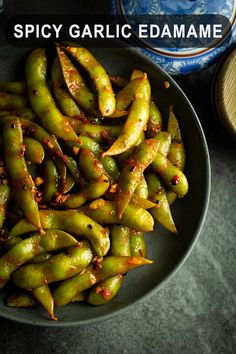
(166, 250)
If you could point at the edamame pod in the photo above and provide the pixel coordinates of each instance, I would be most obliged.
(70, 221)
(142, 189)
(110, 266)
(106, 290)
(26, 249)
(157, 195)
(50, 185)
(124, 97)
(177, 153)
(171, 175)
(34, 151)
(61, 266)
(106, 99)
(165, 142)
(90, 166)
(138, 246)
(9, 101)
(4, 200)
(133, 216)
(15, 87)
(154, 123)
(20, 179)
(100, 133)
(108, 162)
(92, 191)
(44, 296)
(120, 245)
(65, 101)
(75, 83)
(136, 120)
(133, 168)
(41, 99)
(26, 113)
(70, 182)
(20, 300)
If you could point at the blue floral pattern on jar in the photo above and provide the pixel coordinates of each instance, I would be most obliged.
(172, 63)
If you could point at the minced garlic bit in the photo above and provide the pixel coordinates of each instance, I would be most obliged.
(113, 188)
(38, 181)
(166, 84)
(97, 203)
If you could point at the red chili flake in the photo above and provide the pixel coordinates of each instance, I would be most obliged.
(38, 196)
(22, 150)
(175, 180)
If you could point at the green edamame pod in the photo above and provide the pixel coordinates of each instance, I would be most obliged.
(34, 151)
(92, 191)
(138, 246)
(90, 166)
(133, 216)
(70, 221)
(9, 101)
(133, 168)
(70, 182)
(15, 87)
(171, 175)
(142, 189)
(100, 133)
(50, 185)
(20, 300)
(136, 120)
(41, 99)
(75, 83)
(106, 99)
(124, 97)
(61, 266)
(124, 155)
(177, 153)
(171, 196)
(44, 296)
(106, 290)
(9, 243)
(110, 266)
(26, 113)
(4, 200)
(108, 162)
(154, 123)
(72, 166)
(120, 245)
(141, 202)
(26, 249)
(157, 194)
(63, 98)
(165, 142)
(39, 258)
(20, 179)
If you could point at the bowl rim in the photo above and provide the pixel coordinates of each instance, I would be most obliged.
(63, 324)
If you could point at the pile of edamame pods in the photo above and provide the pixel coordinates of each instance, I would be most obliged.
(86, 167)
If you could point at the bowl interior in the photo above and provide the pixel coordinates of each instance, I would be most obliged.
(167, 251)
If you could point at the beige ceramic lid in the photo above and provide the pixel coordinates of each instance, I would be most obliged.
(225, 94)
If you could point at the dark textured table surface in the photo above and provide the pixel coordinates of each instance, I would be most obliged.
(196, 311)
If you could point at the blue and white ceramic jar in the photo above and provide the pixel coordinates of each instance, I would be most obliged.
(181, 60)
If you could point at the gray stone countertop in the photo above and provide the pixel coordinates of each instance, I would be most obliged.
(195, 312)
